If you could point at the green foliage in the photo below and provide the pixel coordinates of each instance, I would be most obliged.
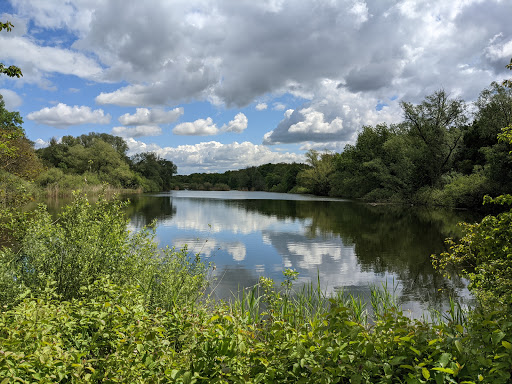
(11, 71)
(110, 335)
(485, 254)
(458, 191)
(280, 177)
(157, 171)
(63, 320)
(437, 125)
(433, 157)
(101, 155)
(15, 192)
(316, 178)
(98, 158)
(92, 241)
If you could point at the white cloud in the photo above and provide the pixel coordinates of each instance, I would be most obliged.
(12, 99)
(145, 116)
(238, 124)
(209, 248)
(201, 58)
(38, 61)
(200, 127)
(233, 53)
(278, 106)
(63, 116)
(333, 117)
(40, 143)
(137, 131)
(261, 106)
(313, 122)
(213, 156)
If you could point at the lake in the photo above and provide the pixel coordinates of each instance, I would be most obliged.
(349, 245)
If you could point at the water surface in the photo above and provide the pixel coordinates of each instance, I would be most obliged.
(350, 246)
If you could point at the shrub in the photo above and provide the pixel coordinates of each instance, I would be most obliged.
(485, 255)
(92, 241)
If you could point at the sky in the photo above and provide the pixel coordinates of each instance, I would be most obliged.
(214, 85)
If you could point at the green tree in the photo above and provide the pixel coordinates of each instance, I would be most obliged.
(316, 178)
(11, 71)
(438, 125)
(17, 154)
(157, 170)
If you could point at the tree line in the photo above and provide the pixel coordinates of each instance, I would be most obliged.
(280, 177)
(436, 155)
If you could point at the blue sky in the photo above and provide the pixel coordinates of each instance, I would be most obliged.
(218, 85)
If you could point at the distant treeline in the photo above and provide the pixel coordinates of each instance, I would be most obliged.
(437, 155)
(268, 177)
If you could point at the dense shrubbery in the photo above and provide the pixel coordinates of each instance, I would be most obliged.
(88, 242)
(64, 320)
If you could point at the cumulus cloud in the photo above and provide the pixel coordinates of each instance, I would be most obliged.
(237, 125)
(145, 116)
(200, 127)
(137, 131)
(261, 106)
(213, 156)
(202, 58)
(334, 117)
(63, 116)
(11, 99)
(206, 127)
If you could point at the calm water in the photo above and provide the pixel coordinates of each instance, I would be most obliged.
(349, 245)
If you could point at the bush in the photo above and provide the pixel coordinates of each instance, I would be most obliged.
(466, 190)
(92, 241)
(485, 255)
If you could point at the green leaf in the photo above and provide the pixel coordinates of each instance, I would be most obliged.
(425, 372)
(458, 344)
(415, 351)
(445, 370)
(506, 344)
(445, 359)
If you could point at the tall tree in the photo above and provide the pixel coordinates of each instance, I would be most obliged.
(438, 124)
(157, 170)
